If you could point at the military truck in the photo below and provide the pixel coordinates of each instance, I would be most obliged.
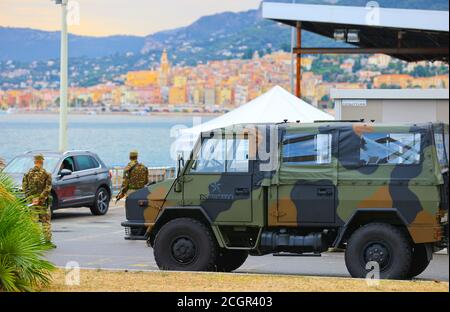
(379, 191)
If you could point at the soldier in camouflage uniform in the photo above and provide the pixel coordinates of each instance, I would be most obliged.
(37, 185)
(135, 176)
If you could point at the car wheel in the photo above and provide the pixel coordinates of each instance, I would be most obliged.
(378, 248)
(230, 260)
(420, 260)
(53, 206)
(185, 245)
(101, 204)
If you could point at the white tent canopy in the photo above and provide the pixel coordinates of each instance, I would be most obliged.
(274, 106)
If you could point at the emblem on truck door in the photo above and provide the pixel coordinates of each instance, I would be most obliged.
(215, 193)
(215, 188)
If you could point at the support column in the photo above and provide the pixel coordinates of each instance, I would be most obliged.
(298, 89)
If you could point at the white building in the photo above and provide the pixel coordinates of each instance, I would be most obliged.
(382, 105)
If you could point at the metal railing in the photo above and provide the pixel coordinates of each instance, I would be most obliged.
(155, 174)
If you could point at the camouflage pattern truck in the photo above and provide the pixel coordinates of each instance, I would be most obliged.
(378, 191)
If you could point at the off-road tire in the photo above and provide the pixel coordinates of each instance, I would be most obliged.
(230, 260)
(391, 239)
(101, 203)
(195, 233)
(419, 261)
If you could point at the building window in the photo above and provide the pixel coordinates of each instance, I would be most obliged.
(390, 148)
(307, 149)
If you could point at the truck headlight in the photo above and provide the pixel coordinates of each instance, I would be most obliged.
(444, 218)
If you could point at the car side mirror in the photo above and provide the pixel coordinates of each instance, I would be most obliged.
(65, 172)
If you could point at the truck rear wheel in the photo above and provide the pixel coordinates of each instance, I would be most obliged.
(420, 260)
(185, 245)
(379, 245)
(230, 260)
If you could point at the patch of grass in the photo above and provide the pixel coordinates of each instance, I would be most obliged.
(104, 281)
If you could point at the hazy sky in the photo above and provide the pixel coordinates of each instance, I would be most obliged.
(107, 17)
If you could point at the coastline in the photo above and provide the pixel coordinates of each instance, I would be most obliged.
(161, 114)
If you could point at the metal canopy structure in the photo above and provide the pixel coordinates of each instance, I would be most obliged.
(410, 35)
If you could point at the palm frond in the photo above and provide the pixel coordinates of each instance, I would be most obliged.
(22, 263)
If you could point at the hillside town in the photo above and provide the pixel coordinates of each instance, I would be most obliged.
(219, 86)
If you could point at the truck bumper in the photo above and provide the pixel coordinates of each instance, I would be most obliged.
(135, 230)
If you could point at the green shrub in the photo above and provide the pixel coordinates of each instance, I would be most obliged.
(22, 263)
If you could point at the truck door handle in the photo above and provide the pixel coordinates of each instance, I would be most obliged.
(324, 192)
(241, 191)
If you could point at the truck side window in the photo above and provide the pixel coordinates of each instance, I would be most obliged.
(237, 155)
(390, 148)
(441, 142)
(307, 149)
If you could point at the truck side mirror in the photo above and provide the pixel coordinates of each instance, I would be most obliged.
(178, 187)
(180, 165)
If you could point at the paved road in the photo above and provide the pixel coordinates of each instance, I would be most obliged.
(97, 242)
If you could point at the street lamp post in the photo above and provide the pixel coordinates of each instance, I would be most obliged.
(291, 74)
(63, 97)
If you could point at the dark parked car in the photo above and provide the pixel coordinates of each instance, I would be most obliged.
(80, 178)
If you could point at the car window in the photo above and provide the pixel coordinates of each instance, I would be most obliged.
(95, 163)
(23, 164)
(307, 149)
(85, 162)
(390, 148)
(68, 164)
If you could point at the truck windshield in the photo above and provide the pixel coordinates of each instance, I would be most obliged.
(441, 140)
(220, 155)
(23, 164)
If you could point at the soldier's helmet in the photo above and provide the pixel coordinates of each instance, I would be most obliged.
(134, 154)
(39, 157)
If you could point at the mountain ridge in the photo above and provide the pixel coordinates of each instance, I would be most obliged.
(18, 42)
(214, 37)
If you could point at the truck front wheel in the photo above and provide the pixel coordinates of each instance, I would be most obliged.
(420, 260)
(379, 250)
(230, 260)
(185, 244)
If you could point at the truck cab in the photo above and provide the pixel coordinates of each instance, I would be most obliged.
(378, 191)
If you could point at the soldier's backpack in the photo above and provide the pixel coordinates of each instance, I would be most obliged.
(138, 177)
